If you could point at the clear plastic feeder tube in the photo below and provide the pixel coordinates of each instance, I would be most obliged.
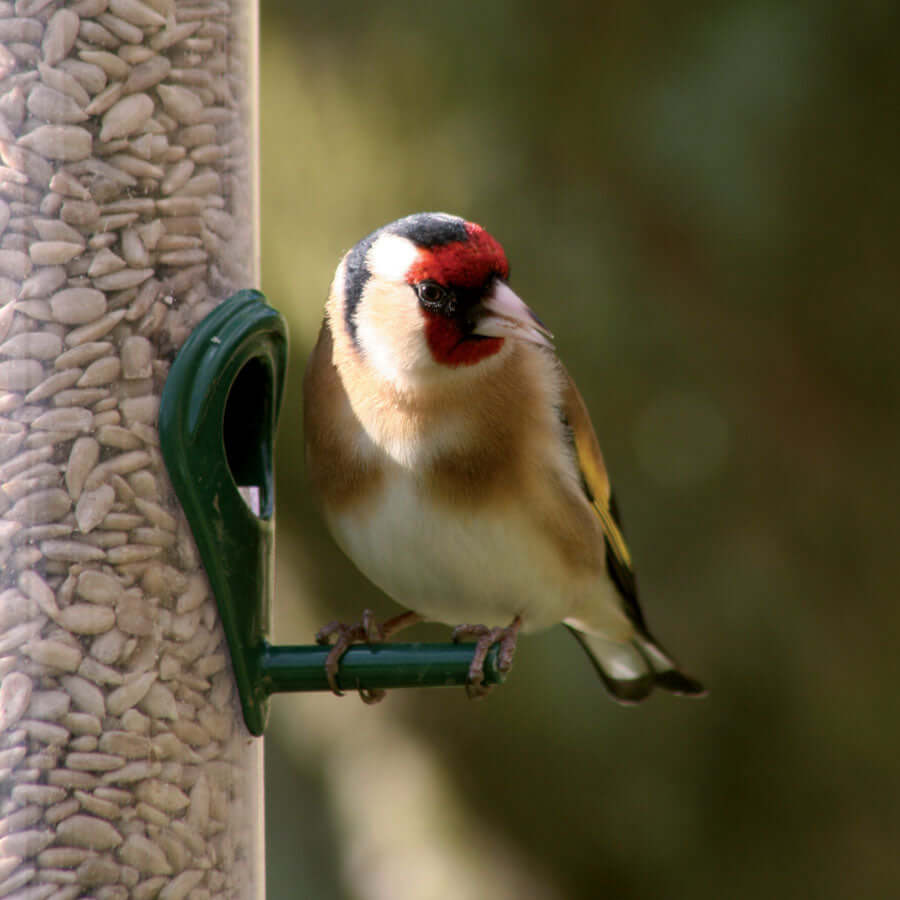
(128, 210)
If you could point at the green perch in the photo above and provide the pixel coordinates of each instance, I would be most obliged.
(372, 667)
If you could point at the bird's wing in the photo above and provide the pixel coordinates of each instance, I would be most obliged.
(595, 482)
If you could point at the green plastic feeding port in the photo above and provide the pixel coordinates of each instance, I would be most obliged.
(217, 422)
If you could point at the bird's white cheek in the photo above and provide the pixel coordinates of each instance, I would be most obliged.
(391, 332)
(394, 343)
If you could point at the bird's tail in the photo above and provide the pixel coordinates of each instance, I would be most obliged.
(631, 669)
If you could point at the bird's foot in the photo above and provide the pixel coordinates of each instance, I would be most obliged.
(487, 638)
(366, 631)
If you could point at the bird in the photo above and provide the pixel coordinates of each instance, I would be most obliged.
(456, 465)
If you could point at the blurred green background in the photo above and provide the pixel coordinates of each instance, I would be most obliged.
(701, 201)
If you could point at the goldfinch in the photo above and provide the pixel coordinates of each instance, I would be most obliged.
(456, 463)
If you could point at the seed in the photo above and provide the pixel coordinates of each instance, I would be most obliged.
(45, 732)
(136, 167)
(59, 811)
(94, 330)
(66, 143)
(67, 185)
(144, 855)
(15, 695)
(127, 278)
(70, 551)
(98, 587)
(221, 222)
(126, 744)
(32, 345)
(86, 696)
(50, 705)
(92, 78)
(40, 507)
(55, 230)
(35, 588)
(64, 83)
(82, 459)
(126, 116)
(162, 519)
(23, 461)
(20, 374)
(94, 762)
(86, 618)
(180, 206)
(162, 795)
(160, 702)
(27, 815)
(119, 465)
(72, 419)
(133, 249)
(83, 354)
(52, 385)
(140, 409)
(105, 810)
(118, 437)
(43, 532)
(62, 857)
(35, 309)
(52, 653)
(15, 264)
(122, 29)
(102, 371)
(53, 253)
(186, 257)
(7, 314)
(80, 212)
(178, 176)
(20, 30)
(68, 778)
(25, 843)
(88, 832)
(78, 306)
(147, 74)
(95, 33)
(92, 508)
(99, 673)
(174, 34)
(55, 107)
(121, 521)
(181, 885)
(129, 694)
(180, 102)
(138, 13)
(15, 608)
(105, 262)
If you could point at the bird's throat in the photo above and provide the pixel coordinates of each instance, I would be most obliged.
(451, 346)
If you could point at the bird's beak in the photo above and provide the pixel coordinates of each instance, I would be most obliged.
(503, 314)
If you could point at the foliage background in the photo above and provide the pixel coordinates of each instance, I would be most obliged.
(701, 201)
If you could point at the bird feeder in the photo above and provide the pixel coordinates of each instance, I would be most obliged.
(135, 663)
(128, 213)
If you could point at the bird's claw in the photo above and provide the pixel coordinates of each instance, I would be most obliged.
(487, 638)
(366, 631)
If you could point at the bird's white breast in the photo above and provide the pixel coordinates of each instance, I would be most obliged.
(474, 566)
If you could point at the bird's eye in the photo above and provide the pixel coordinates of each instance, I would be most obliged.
(431, 294)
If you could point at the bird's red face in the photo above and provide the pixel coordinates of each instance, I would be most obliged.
(428, 294)
(453, 274)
